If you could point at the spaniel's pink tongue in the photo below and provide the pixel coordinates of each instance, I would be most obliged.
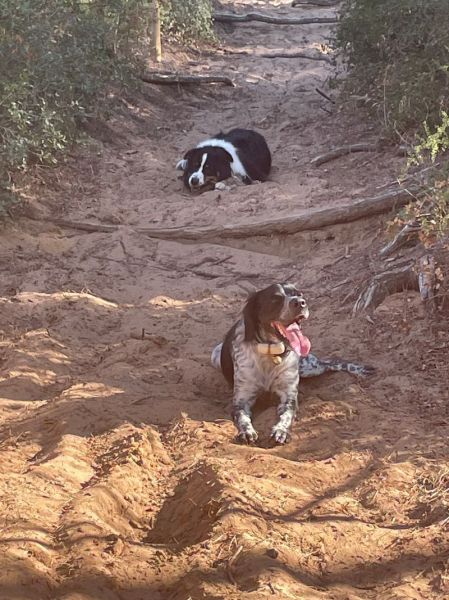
(298, 341)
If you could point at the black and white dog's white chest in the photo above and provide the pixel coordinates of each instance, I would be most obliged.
(242, 153)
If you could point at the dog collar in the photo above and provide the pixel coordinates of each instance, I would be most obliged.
(275, 350)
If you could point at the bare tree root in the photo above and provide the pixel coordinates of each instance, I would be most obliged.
(427, 281)
(366, 207)
(408, 235)
(233, 18)
(175, 79)
(80, 225)
(384, 284)
(287, 54)
(342, 151)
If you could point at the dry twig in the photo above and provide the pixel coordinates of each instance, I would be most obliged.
(342, 151)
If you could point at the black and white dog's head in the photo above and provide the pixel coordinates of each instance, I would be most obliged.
(270, 313)
(242, 153)
(204, 167)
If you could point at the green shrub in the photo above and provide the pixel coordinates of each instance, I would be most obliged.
(59, 61)
(188, 20)
(398, 54)
(58, 57)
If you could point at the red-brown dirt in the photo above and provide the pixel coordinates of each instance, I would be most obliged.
(119, 475)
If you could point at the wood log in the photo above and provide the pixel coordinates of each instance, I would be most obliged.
(245, 18)
(321, 3)
(286, 54)
(176, 79)
(366, 207)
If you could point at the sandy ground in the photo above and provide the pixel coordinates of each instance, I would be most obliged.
(120, 478)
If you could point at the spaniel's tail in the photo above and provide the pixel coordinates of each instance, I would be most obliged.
(215, 357)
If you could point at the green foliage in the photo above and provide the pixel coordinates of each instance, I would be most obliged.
(431, 210)
(398, 54)
(59, 61)
(432, 143)
(58, 57)
(188, 20)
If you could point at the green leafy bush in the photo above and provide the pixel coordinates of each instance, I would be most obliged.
(188, 20)
(398, 54)
(58, 56)
(60, 59)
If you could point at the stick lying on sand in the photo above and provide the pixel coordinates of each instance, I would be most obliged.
(342, 151)
(176, 79)
(286, 54)
(234, 18)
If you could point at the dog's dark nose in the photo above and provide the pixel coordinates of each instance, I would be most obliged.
(194, 181)
(298, 302)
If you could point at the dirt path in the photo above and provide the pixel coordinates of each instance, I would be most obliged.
(120, 479)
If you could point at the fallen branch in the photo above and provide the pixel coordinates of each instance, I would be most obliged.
(304, 55)
(233, 18)
(342, 151)
(384, 284)
(408, 235)
(326, 217)
(175, 79)
(323, 3)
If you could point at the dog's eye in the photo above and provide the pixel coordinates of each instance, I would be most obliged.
(277, 298)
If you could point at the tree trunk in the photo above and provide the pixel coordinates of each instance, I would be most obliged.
(156, 47)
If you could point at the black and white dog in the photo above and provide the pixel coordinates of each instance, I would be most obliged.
(267, 351)
(241, 152)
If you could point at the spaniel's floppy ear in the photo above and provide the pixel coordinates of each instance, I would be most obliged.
(250, 318)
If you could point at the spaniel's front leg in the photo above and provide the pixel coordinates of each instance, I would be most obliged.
(287, 391)
(244, 398)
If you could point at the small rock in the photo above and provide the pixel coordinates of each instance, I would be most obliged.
(272, 553)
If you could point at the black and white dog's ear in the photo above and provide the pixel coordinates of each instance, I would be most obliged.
(182, 164)
(224, 169)
(224, 172)
(250, 318)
